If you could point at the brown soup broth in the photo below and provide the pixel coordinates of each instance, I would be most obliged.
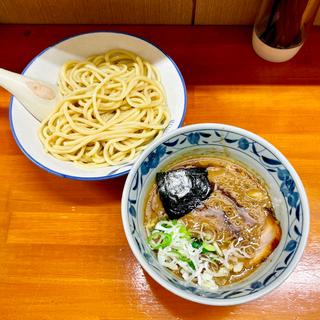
(238, 213)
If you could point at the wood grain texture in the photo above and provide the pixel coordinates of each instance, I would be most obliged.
(97, 12)
(218, 12)
(63, 253)
(317, 19)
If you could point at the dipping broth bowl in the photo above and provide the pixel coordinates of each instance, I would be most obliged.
(285, 189)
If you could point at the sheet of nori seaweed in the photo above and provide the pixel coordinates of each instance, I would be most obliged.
(182, 190)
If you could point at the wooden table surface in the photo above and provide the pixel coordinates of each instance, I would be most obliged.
(63, 253)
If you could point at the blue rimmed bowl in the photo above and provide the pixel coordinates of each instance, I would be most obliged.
(285, 188)
(46, 67)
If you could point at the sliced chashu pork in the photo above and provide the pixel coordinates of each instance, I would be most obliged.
(270, 238)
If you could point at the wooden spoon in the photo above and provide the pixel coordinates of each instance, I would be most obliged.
(38, 97)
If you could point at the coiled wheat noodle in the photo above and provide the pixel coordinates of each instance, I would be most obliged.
(113, 106)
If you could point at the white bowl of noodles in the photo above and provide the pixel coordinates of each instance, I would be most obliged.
(47, 66)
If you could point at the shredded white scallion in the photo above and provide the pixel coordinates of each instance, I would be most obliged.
(193, 258)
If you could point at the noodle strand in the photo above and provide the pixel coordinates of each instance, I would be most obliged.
(113, 106)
